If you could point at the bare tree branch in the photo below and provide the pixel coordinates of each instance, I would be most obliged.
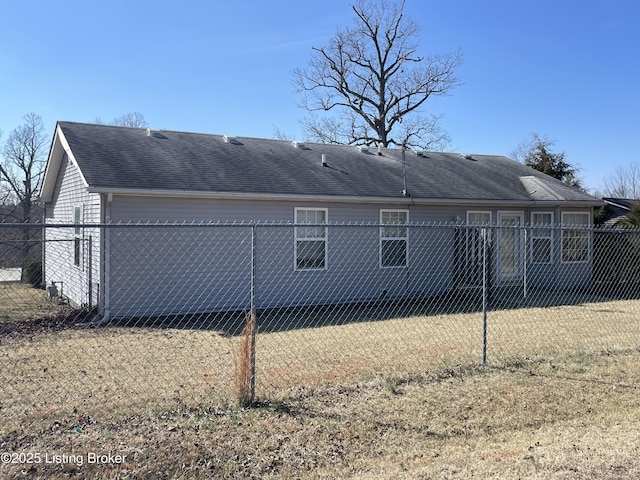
(23, 162)
(280, 135)
(371, 79)
(623, 183)
(131, 119)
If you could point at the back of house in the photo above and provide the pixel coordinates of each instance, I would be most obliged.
(168, 222)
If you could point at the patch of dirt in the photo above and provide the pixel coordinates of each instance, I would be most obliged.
(66, 318)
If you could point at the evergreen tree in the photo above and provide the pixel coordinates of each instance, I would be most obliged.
(536, 153)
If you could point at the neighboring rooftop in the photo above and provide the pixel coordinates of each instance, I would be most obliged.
(135, 159)
(617, 209)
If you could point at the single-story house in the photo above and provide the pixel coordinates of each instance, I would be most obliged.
(360, 204)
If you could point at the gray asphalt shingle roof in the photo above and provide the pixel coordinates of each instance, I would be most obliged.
(128, 158)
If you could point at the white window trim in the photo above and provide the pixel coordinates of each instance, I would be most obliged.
(296, 239)
(78, 234)
(405, 238)
(537, 228)
(480, 211)
(520, 254)
(564, 228)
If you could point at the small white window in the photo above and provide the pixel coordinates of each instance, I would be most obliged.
(478, 218)
(541, 237)
(77, 236)
(393, 238)
(311, 241)
(575, 241)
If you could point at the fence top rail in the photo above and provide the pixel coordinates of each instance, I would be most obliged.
(461, 225)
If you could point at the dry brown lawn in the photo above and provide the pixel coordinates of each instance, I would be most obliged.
(20, 302)
(542, 420)
(399, 398)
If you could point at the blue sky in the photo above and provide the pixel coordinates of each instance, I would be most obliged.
(566, 69)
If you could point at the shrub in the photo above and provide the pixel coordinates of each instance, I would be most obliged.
(32, 271)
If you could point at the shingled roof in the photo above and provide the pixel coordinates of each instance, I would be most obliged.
(135, 160)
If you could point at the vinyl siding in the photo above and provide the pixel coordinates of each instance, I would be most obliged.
(73, 281)
(173, 270)
(165, 270)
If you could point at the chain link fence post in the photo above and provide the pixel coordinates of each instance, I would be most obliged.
(253, 320)
(484, 295)
(90, 273)
(525, 259)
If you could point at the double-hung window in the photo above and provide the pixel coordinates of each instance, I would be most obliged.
(575, 241)
(476, 221)
(393, 238)
(541, 237)
(311, 240)
(77, 236)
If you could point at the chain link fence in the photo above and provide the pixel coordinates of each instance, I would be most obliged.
(110, 319)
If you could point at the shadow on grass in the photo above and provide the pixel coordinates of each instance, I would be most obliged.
(271, 320)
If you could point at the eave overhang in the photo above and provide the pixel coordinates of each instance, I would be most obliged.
(399, 200)
(59, 146)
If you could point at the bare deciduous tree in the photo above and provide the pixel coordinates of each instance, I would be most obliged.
(280, 135)
(371, 77)
(131, 119)
(22, 162)
(22, 166)
(623, 183)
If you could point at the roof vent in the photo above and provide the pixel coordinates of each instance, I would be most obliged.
(363, 148)
(154, 133)
(297, 144)
(422, 153)
(229, 139)
(467, 156)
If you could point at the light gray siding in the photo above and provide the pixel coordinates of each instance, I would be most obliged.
(166, 270)
(78, 283)
(161, 270)
(177, 270)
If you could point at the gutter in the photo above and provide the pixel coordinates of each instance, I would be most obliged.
(400, 200)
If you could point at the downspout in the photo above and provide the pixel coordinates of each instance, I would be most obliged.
(43, 246)
(105, 264)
